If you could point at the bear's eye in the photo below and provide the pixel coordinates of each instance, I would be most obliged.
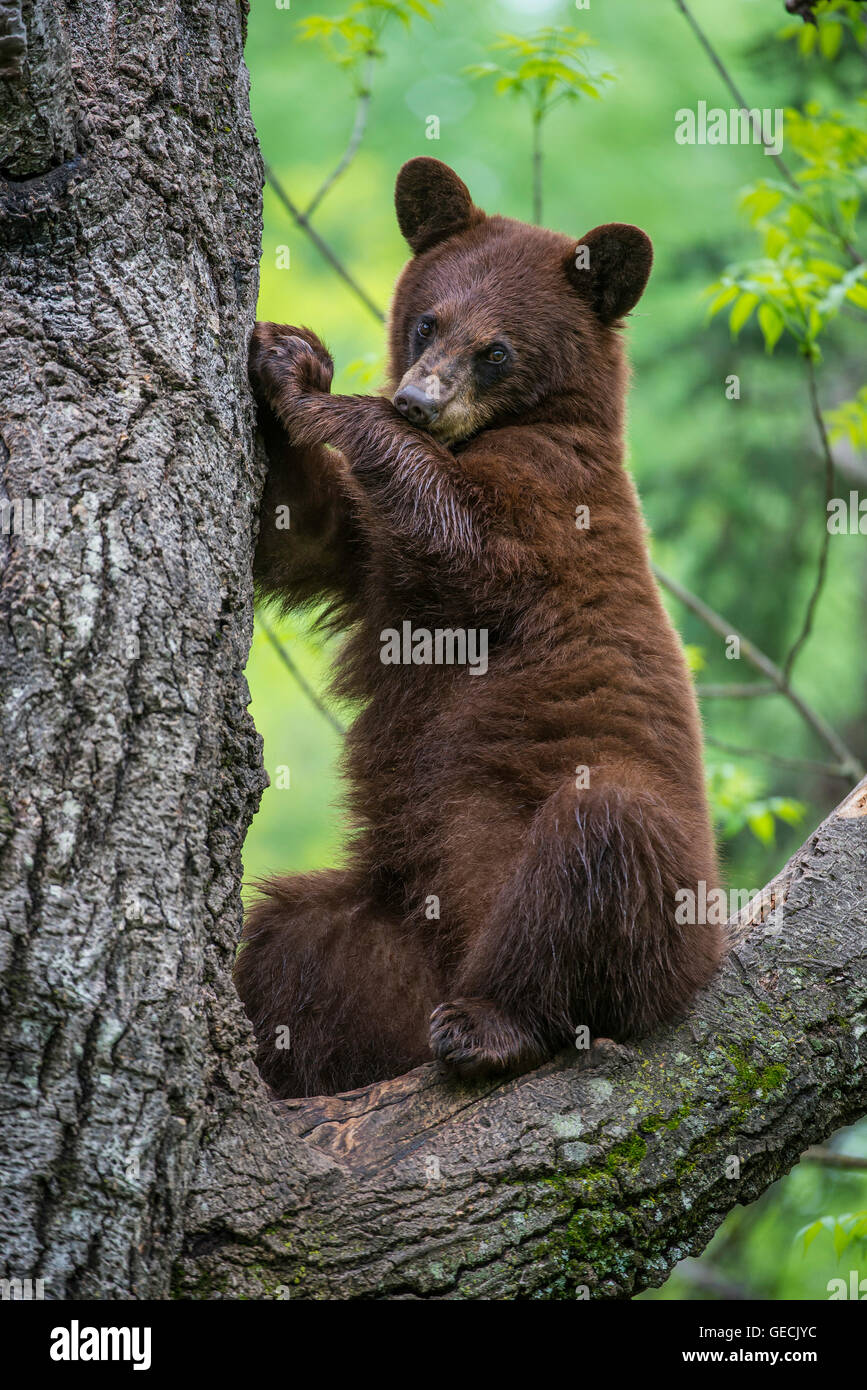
(424, 328)
(497, 353)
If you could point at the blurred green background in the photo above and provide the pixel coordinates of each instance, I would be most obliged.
(732, 489)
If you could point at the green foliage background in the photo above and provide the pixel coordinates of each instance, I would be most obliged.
(732, 489)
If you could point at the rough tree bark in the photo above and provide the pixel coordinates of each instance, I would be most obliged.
(140, 1154)
(130, 235)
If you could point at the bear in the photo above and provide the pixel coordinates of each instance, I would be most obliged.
(520, 825)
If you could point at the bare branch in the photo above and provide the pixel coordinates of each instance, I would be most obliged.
(741, 100)
(778, 760)
(757, 126)
(735, 692)
(829, 1158)
(362, 112)
(297, 675)
(763, 663)
(822, 570)
(321, 245)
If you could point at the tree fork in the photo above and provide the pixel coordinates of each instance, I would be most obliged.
(596, 1173)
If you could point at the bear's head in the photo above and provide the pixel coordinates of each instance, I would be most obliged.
(494, 320)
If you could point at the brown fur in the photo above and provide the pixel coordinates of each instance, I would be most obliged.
(556, 901)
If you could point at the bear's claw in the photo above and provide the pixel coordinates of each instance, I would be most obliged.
(472, 1037)
(280, 352)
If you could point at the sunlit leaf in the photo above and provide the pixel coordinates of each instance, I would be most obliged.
(809, 1234)
(762, 826)
(695, 658)
(741, 312)
(830, 38)
(771, 324)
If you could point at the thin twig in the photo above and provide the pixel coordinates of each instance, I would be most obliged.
(733, 88)
(757, 127)
(822, 571)
(709, 1279)
(735, 692)
(537, 170)
(302, 681)
(321, 245)
(830, 1159)
(768, 669)
(362, 112)
(778, 760)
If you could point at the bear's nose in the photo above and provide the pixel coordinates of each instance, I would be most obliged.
(416, 405)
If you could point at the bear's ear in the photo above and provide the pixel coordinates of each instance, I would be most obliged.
(432, 203)
(610, 267)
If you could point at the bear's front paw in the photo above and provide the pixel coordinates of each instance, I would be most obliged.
(472, 1037)
(287, 362)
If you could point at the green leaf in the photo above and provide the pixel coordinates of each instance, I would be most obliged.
(830, 38)
(775, 241)
(724, 297)
(761, 200)
(547, 67)
(842, 1238)
(771, 324)
(858, 295)
(792, 812)
(827, 271)
(807, 39)
(742, 311)
(809, 1234)
(762, 826)
(695, 658)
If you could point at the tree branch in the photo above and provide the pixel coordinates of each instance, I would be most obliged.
(757, 126)
(779, 760)
(830, 1159)
(729, 81)
(297, 675)
(321, 245)
(599, 1171)
(717, 623)
(822, 570)
(735, 692)
(362, 112)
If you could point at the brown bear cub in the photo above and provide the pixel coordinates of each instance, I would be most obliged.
(525, 774)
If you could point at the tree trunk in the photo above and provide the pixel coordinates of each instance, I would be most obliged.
(140, 1154)
(130, 237)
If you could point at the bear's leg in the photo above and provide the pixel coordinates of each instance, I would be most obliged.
(338, 993)
(584, 933)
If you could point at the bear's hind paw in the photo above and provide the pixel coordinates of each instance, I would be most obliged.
(472, 1037)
